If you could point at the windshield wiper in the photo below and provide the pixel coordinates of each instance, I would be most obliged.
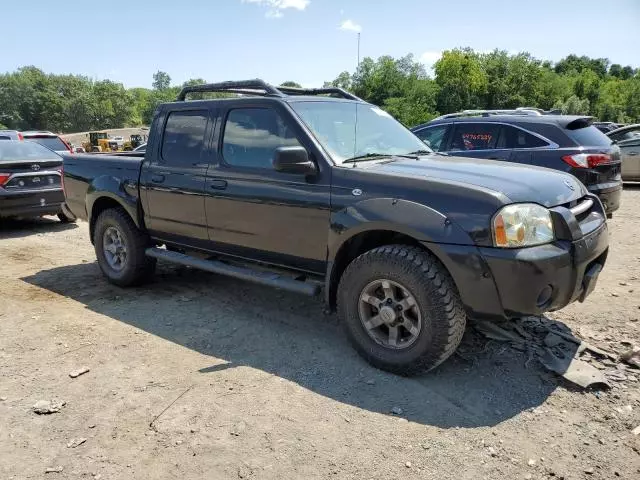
(366, 156)
(421, 152)
(375, 156)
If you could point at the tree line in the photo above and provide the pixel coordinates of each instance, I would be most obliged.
(462, 79)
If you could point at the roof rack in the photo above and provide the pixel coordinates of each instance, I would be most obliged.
(487, 113)
(318, 91)
(260, 87)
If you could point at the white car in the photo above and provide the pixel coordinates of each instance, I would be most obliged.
(118, 139)
(628, 139)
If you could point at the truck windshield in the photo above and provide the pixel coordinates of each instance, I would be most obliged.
(351, 130)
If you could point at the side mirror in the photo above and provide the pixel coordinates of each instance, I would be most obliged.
(293, 160)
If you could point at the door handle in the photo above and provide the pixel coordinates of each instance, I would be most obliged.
(157, 178)
(218, 184)
(632, 154)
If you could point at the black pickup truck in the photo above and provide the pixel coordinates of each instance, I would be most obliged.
(316, 190)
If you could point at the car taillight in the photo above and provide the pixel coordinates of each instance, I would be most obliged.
(20, 136)
(4, 178)
(587, 160)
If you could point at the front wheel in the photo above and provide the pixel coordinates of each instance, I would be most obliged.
(120, 249)
(401, 309)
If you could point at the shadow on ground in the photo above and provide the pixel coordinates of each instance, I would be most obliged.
(23, 227)
(240, 324)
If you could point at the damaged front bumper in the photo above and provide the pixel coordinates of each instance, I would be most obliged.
(508, 283)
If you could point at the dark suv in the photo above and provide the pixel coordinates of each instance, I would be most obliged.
(562, 142)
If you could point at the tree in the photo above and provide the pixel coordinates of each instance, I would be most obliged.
(575, 64)
(573, 106)
(161, 81)
(342, 81)
(461, 79)
(464, 79)
(289, 83)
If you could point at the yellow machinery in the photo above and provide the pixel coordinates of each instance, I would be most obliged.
(135, 140)
(98, 142)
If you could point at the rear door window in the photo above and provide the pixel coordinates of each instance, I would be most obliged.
(474, 136)
(433, 136)
(513, 137)
(588, 137)
(183, 139)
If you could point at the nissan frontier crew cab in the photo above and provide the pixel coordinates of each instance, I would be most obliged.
(315, 190)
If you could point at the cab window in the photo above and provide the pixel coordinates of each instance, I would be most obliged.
(251, 136)
(183, 138)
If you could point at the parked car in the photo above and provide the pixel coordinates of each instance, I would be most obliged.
(119, 141)
(562, 142)
(304, 192)
(141, 148)
(10, 135)
(30, 181)
(628, 140)
(606, 127)
(49, 140)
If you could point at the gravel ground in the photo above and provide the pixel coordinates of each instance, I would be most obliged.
(200, 376)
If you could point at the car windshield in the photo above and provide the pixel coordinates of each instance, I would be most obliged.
(353, 130)
(15, 150)
(52, 143)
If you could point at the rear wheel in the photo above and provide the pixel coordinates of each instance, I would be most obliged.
(401, 309)
(120, 249)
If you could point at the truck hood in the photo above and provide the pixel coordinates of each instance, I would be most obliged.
(519, 183)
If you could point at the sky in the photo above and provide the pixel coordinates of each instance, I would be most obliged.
(307, 41)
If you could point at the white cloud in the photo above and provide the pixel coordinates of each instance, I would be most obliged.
(274, 14)
(275, 7)
(430, 57)
(350, 26)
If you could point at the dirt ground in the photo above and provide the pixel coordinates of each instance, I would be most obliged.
(197, 376)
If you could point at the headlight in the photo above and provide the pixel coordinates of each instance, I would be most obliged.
(522, 225)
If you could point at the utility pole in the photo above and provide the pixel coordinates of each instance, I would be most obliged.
(358, 66)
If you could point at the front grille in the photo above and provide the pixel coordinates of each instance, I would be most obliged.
(582, 208)
(33, 182)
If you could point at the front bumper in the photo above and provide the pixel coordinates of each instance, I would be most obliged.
(508, 283)
(31, 203)
(535, 280)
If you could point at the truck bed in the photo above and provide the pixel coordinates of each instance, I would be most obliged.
(84, 172)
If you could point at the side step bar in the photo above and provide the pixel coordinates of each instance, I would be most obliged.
(264, 278)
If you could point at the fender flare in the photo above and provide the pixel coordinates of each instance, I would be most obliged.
(124, 192)
(420, 222)
(414, 220)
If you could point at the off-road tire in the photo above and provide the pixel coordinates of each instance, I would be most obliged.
(138, 267)
(443, 315)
